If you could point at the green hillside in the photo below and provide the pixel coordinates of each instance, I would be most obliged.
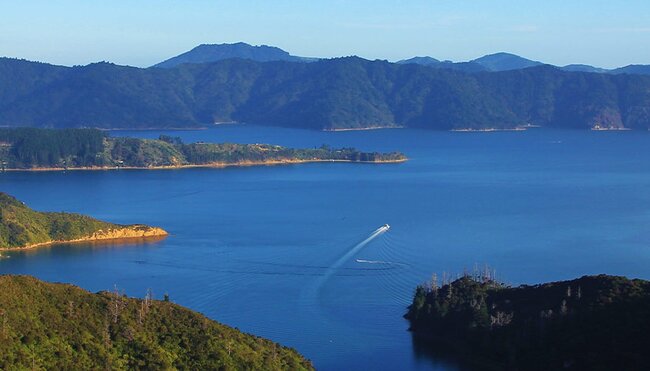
(590, 323)
(21, 226)
(326, 94)
(62, 327)
(26, 148)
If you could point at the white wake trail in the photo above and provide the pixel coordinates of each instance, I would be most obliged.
(343, 259)
(356, 249)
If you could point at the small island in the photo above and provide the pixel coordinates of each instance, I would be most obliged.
(23, 228)
(53, 326)
(590, 323)
(88, 149)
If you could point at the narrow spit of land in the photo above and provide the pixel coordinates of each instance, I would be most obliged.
(30, 149)
(24, 228)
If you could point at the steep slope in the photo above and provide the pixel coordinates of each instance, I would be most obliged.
(327, 94)
(62, 327)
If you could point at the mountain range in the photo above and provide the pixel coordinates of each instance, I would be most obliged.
(506, 62)
(339, 93)
(207, 53)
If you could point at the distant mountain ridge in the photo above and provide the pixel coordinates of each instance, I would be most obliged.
(502, 61)
(342, 93)
(505, 62)
(208, 53)
(497, 62)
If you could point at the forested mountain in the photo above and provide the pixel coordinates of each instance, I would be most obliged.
(336, 93)
(53, 326)
(590, 323)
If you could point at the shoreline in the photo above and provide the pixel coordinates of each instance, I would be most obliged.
(488, 130)
(150, 233)
(217, 165)
(362, 129)
(190, 128)
(612, 129)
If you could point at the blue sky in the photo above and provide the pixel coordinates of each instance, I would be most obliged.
(143, 32)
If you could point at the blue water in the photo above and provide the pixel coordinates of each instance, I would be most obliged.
(254, 247)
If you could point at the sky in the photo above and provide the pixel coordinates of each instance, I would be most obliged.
(144, 32)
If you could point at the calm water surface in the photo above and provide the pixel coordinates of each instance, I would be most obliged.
(254, 247)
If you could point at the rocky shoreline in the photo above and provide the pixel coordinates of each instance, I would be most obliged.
(134, 231)
(209, 165)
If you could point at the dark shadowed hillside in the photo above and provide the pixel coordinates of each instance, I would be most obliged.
(590, 323)
(327, 94)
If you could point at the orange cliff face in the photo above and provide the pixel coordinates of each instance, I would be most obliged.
(129, 231)
(119, 233)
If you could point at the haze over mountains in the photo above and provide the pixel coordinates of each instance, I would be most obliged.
(506, 62)
(206, 53)
(213, 84)
(496, 62)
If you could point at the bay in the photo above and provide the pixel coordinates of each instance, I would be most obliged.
(256, 247)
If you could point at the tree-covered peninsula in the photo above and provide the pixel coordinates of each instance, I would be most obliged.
(33, 148)
(590, 323)
(21, 227)
(46, 326)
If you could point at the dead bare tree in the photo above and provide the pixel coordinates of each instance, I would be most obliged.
(145, 305)
(434, 282)
(116, 305)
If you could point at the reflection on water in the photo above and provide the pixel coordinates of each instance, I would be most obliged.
(443, 357)
(84, 247)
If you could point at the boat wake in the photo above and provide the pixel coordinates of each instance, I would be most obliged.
(332, 269)
(356, 248)
(364, 261)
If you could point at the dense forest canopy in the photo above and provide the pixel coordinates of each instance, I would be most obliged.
(591, 323)
(62, 327)
(335, 93)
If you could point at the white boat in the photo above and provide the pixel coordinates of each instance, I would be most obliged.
(385, 227)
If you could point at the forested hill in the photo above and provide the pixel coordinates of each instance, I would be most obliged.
(46, 326)
(37, 148)
(335, 93)
(590, 323)
(22, 227)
